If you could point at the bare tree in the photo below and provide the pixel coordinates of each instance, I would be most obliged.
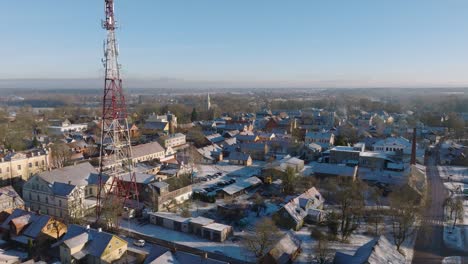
(404, 212)
(323, 252)
(289, 179)
(259, 205)
(350, 199)
(264, 236)
(60, 155)
(458, 210)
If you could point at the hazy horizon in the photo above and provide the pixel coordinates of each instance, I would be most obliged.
(239, 44)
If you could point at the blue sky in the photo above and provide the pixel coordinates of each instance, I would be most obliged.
(246, 42)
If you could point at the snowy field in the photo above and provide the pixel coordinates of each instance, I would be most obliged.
(456, 173)
(229, 248)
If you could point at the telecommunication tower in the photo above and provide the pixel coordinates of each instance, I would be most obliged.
(115, 147)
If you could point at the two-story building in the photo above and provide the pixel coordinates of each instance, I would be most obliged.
(67, 192)
(324, 139)
(173, 140)
(17, 166)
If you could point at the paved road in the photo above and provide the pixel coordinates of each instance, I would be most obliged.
(429, 246)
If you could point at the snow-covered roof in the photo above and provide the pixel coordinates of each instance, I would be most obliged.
(378, 250)
(146, 149)
(242, 185)
(283, 251)
(217, 227)
(200, 220)
(297, 208)
(394, 141)
(333, 169)
(76, 174)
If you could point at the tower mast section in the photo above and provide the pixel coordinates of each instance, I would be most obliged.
(115, 158)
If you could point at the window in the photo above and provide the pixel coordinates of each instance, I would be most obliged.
(47, 199)
(60, 203)
(38, 198)
(42, 163)
(30, 164)
(90, 191)
(36, 163)
(30, 196)
(19, 167)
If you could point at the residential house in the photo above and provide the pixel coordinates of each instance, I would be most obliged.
(378, 250)
(162, 255)
(87, 245)
(257, 151)
(10, 199)
(311, 151)
(284, 251)
(67, 192)
(293, 214)
(209, 154)
(324, 139)
(24, 226)
(239, 158)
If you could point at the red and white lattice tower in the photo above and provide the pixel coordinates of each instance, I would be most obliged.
(115, 137)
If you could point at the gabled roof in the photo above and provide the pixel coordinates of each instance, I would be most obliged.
(95, 241)
(378, 250)
(8, 191)
(156, 125)
(297, 208)
(239, 156)
(162, 255)
(215, 138)
(319, 135)
(284, 250)
(77, 174)
(146, 149)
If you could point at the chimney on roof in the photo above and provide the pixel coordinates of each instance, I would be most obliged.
(88, 227)
(69, 182)
(204, 255)
(99, 230)
(413, 148)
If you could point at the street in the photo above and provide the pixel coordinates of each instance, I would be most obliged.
(429, 246)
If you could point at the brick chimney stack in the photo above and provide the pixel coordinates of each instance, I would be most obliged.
(413, 148)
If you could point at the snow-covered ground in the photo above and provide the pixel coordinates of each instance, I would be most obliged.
(456, 173)
(228, 247)
(356, 240)
(453, 237)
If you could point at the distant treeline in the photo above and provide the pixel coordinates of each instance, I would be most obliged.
(37, 103)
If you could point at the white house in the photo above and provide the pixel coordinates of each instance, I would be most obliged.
(393, 144)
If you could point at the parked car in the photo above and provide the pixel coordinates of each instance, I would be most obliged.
(139, 243)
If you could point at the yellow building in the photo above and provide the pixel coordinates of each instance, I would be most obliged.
(22, 165)
(86, 245)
